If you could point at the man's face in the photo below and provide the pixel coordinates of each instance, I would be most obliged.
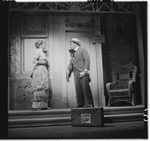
(72, 45)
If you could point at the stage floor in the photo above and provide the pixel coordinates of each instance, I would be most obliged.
(124, 130)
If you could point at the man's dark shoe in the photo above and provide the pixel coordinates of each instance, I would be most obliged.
(79, 107)
(89, 106)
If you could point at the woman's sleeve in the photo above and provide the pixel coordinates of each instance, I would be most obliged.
(36, 58)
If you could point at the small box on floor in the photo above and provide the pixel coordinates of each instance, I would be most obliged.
(87, 117)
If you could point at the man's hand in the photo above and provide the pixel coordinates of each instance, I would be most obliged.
(67, 78)
(84, 73)
(67, 75)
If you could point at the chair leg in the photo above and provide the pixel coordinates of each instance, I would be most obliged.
(109, 101)
(133, 99)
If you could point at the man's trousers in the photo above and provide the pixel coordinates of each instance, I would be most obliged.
(83, 90)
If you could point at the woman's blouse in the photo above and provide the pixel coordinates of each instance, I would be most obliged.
(39, 55)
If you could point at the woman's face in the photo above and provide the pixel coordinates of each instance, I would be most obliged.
(43, 46)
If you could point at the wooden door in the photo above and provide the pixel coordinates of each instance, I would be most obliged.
(86, 42)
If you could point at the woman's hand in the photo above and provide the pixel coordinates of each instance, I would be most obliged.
(46, 52)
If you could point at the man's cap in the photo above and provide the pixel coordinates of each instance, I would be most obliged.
(76, 41)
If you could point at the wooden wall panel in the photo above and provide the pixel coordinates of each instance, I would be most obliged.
(56, 82)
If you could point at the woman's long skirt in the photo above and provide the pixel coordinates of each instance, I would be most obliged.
(40, 85)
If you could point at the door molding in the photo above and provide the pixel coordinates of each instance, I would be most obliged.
(81, 7)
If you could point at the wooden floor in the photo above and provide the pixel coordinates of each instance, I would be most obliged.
(55, 117)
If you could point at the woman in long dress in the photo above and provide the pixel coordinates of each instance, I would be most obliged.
(40, 77)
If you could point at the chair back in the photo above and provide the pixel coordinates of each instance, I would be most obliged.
(121, 75)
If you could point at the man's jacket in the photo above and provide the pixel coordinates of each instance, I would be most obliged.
(81, 60)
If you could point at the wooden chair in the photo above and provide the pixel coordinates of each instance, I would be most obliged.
(121, 87)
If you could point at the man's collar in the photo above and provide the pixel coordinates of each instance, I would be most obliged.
(76, 48)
